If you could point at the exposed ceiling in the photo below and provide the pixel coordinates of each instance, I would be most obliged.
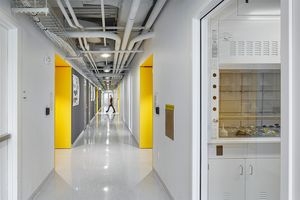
(100, 36)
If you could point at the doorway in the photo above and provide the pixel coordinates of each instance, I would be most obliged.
(146, 104)
(106, 100)
(3, 113)
(9, 157)
(63, 104)
(241, 100)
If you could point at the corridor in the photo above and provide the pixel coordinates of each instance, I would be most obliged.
(106, 164)
(205, 95)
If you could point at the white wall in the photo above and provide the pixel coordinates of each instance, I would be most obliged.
(130, 98)
(36, 89)
(172, 48)
(135, 102)
(3, 170)
(37, 128)
(291, 158)
(172, 80)
(125, 98)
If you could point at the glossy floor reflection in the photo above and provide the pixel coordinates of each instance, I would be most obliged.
(105, 165)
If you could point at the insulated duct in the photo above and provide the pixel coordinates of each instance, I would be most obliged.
(133, 11)
(139, 38)
(153, 16)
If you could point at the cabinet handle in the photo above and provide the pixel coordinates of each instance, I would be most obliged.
(241, 170)
(251, 170)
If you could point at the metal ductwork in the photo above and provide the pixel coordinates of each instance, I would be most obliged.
(151, 20)
(139, 38)
(49, 22)
(131, 18)
(89, 32)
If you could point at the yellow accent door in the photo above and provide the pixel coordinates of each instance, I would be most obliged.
(146, 104)
(63, 106)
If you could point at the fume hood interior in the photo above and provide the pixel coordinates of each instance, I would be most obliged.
(241, 72)
(244, 66)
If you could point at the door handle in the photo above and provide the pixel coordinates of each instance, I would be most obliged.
(251, 170)
(241, 170)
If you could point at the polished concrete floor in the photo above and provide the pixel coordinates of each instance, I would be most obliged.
(105, 165)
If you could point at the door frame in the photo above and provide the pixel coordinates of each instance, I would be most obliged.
(199, 151)
(14, 155)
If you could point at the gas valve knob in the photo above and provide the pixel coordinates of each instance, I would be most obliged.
(215, 120)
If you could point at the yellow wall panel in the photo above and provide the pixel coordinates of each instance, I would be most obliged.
(119, 96)
(146, 107)
(63, 106)
(59, 61)
(148, 62)
(97, 100)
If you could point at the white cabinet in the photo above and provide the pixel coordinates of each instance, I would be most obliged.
(263, 179)
(226, 179)
(244, 179)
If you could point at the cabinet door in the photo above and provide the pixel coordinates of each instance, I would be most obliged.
(263, 179)
(226, 179)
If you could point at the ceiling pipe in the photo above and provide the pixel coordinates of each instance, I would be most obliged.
(91, 34)
(94, 34)
(103, 19)
(82, 47)
(139, 38)
(64, 12)
(137, 28)
(70, 8)
(153, 16)
(111, 52)
(129, 25)
(92, 61)
(86, 46)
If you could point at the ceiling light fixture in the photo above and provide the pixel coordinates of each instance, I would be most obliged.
(105, 55)
(106, 70)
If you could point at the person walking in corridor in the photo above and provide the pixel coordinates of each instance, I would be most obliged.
(111, 100)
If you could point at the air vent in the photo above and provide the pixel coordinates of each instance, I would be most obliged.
(233, 49)
(263, 196)
(241, 48)
(275, 48)
(253, 48)
(249, 48)
(227, 196)
(257, 48)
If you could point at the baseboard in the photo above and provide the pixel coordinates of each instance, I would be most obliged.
(127, 126)
(36, 192)
(135, 140)
(78, 138)
(82, 132)
(92, 119)
(138, 144)
(162, 183)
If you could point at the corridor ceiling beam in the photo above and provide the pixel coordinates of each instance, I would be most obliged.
(137, 28)
(119, 51)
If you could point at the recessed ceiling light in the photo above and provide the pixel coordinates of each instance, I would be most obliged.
(105, 189)
(106, 70)
(105, 55)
